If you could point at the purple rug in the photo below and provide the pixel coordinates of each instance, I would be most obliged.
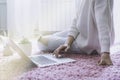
(85, 68)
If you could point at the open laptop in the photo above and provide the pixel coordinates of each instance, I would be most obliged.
(41, 60)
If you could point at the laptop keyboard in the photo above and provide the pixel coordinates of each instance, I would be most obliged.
(42, 60)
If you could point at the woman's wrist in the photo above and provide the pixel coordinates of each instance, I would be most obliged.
(67, 44)
(69, 41)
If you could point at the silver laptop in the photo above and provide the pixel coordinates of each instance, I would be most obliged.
(41, 60)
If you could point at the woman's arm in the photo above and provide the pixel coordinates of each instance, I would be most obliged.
(63, 48)
(73, 29)
(72, 35)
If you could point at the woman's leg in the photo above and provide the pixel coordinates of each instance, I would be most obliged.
(52, 42)
(44, 39)
(61, 33)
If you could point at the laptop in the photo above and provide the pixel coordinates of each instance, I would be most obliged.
(41, 60)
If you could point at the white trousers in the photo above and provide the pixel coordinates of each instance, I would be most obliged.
(57, 39)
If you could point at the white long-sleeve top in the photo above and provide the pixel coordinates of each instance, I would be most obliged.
(92, 28)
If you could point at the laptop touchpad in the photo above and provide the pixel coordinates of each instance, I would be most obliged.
(42, 60)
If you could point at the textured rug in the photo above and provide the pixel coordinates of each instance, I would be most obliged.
(85, 68)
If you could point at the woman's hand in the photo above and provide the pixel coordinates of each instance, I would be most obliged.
(105, 59)
(59, 52)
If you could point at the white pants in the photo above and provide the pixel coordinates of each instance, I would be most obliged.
(57, 39)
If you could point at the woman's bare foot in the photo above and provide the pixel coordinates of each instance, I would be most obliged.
(43, 39)
(105, 59)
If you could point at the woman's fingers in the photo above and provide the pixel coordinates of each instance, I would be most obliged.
(105, 62)
(101, 62)
(57, 55)
(57, 52)
(68, 47)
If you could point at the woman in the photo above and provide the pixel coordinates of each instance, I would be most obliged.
(92, 30)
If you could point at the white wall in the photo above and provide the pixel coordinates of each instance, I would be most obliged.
(57, 14)
(117, 20)
(26, 16)
(3, 15)
(47, 13)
